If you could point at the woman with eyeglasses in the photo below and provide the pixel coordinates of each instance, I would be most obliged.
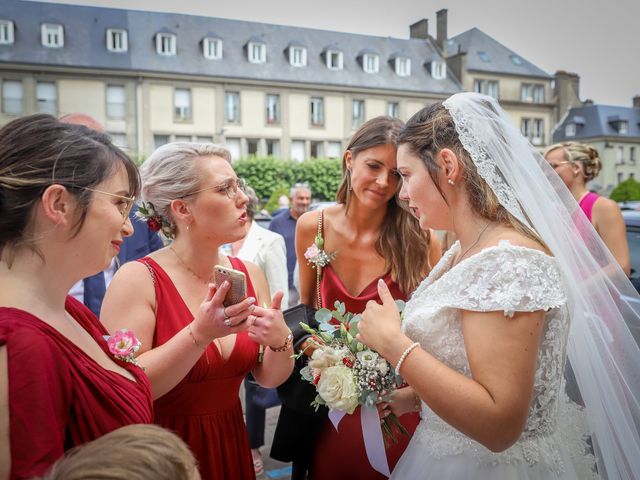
(579, 163)
(196, 353)
(65, 193)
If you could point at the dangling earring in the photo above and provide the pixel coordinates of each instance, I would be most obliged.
(188, 227)
(451, 182)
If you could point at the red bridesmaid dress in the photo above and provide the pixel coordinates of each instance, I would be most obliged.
(204, 408)
(59, 397)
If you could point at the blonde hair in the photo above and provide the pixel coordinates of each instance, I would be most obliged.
(171, 172)
(432, 129)
(582, 153)
(401, 240)
(134, 452)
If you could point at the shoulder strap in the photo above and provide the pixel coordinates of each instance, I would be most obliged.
(318, 268)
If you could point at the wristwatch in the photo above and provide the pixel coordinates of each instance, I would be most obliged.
(287, 343)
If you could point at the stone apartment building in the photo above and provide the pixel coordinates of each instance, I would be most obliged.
(261, 89)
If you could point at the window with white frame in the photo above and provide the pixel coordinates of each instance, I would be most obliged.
(370, 63)
(393, 109)
(257, 52)
(46, 97)
(12, 96)
(116, 100)
(438, 70)
(166, 44)
(119, 139)
(538, 94)
(334, 149)
(232, 107)
(316, 105)
(212, 48)
(6, 32)
(182, 104)
(570, 130)
(117, 40)
(478, 85)
(537, 135)
(623, 127)
(403, 66)
(204, 139)
(297, 56)
(52, 35)
(273, 147)
(272, 104)
(526, 92)
(492, 88)
(335, 60)
(252, 147)
(620, 154)
(525, 127)
(632, 154)
(316, 149)
(298, 150)
(357, 113)
(160, 140)
(234, 147)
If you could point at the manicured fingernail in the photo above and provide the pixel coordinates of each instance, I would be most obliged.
(381, 283)
(252, 308)
(251, 300)
(225, 284)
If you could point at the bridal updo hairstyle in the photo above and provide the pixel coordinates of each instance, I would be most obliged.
(37, 151)
(581, 153)
(401, 239)
(171, 172)
(432, 129)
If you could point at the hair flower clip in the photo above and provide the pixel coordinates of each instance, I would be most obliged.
(156, 222)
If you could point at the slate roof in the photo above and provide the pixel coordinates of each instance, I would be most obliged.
(85, 47)
(599, 121)
(485, 54)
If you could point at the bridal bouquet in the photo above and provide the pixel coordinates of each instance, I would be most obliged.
(345, 372)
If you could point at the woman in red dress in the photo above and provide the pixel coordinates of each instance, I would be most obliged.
(65, 195)
(197, 353)
(373, 237)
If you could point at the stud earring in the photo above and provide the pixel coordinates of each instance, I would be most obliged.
(451, 182)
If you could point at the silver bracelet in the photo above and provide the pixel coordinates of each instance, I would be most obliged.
(404, 355)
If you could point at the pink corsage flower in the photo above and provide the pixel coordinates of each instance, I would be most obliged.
(123, 344)
(312, 252)
(316, 256)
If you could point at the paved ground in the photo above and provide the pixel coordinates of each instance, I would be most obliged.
(273, 468)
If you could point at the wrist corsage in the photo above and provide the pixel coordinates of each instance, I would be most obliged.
(316, 256)
(123, 345)
(155, 221)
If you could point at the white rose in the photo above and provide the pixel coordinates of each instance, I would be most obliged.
(383, 366)
(325, 357)
(338, 388)
(368, 358)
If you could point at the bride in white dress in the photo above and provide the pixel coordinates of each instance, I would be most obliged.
(486, 336)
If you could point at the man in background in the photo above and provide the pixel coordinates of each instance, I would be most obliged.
(285, 225)
(143, 241)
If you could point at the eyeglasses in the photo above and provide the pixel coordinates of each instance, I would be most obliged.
(124, 207)
(229, 188)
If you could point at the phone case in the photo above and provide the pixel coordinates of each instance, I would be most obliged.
(238, 281)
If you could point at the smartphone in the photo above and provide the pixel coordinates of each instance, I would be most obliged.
(238, 281)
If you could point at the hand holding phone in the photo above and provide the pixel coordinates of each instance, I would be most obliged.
(238, 281)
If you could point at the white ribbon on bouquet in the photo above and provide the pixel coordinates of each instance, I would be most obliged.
(372, 434)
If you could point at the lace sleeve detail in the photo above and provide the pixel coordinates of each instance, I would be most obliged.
(505, 277)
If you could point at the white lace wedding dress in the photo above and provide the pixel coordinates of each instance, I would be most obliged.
(512, 279)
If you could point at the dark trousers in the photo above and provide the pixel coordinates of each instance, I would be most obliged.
(255, 414)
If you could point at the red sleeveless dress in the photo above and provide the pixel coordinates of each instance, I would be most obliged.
(341, 455)
(204, 408)
(59, 397)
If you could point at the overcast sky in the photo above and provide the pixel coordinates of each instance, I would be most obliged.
(598, 40)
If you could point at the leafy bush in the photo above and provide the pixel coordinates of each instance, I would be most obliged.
(269, 176)
(626, 191)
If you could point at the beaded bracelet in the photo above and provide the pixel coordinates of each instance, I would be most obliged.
(404, 355)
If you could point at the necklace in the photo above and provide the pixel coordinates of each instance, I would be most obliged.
(206, 282)
(474, 243)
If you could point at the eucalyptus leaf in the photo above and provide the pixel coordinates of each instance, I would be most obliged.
(323, 315)
(327, 327)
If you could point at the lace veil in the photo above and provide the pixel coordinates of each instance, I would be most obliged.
(605, 308)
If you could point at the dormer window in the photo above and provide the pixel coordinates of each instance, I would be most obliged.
(117, 40)
(370, 63)
(166, 44)
(570, 130)
(334, 59)
(623, 127)
(297, 56)
(6, 32)
(438, 70)
(212, 48)
(52, 35)
(402, 66)
(257, 52)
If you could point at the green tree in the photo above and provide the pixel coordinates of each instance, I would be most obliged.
(626, 191)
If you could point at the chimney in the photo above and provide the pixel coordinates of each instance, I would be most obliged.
(636, 101)
(567, 92)
(420, 29)
(441, 33)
